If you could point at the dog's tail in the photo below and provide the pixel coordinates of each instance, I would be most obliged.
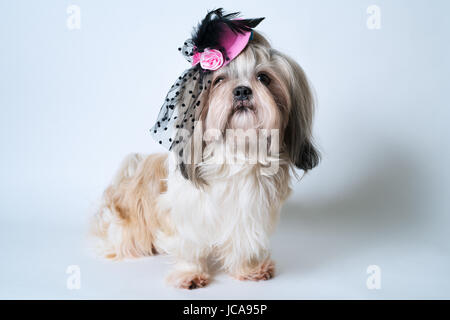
(125, 224)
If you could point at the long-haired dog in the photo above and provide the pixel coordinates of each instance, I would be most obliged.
(217, 207)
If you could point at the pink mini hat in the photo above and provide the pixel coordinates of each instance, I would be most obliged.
(232, 43)
(218, 39)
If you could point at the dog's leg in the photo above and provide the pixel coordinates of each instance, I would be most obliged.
(190, 270)
(247, 257)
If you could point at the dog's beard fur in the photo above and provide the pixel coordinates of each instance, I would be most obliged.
(193, 210)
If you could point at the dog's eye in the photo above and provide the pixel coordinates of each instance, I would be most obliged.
(219, 79)
(264, 78)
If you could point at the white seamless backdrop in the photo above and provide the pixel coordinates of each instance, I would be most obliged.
(73, 103)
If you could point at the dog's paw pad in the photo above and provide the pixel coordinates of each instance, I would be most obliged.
(264, 271)
(198, 281)
(188, 280)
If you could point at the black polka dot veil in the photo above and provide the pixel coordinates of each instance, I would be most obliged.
(182, 103)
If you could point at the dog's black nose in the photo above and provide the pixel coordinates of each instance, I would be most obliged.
(242, 93)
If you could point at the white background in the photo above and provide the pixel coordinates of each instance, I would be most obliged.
(73, 103)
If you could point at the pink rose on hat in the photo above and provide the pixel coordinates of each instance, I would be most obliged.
(209, 59)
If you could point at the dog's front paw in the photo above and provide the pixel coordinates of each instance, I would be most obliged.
(188, 279)
(264, 271)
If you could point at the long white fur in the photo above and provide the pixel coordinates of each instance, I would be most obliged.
(232, 217)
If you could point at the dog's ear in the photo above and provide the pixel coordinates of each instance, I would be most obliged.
(298, 133)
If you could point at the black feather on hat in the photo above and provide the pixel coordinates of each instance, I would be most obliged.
(209, 30)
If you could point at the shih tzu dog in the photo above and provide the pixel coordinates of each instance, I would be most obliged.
(237, 123)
